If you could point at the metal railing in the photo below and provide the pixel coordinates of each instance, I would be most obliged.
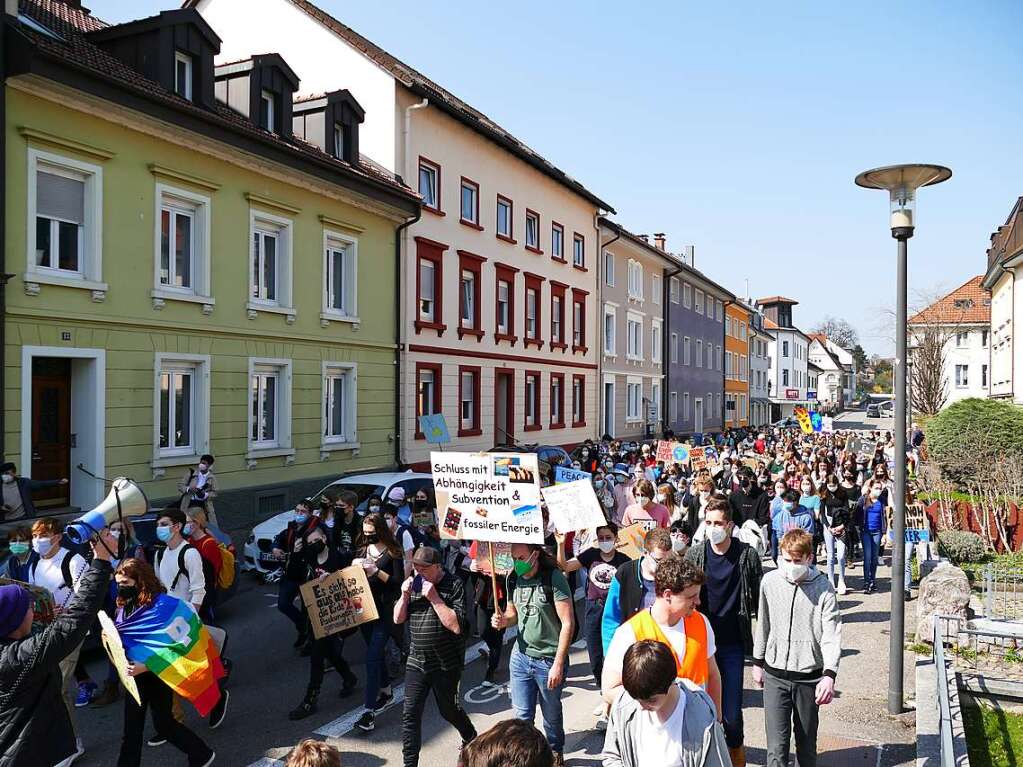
(942, 669)
(1003, 592)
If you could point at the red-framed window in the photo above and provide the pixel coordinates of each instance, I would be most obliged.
(532, 401)
(579, 320)
(579, 251)
(557, 400)
(578, 400)
(428, 391)
(505, 221)
(470, 294)
(533, 232)
(504, 303)
(469, 203)
(558, 242)
(430, 285)
(558, 314)
(429, 185)
(532, 333)
(469, 377)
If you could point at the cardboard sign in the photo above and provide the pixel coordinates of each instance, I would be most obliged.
(816, 422)
(664, 451)
(502, 563)
(573, 506)
(804, 419)
(854, 445)
(115, 651)
(679, 453)
(563, 474)
(698, 458)
(488, 496)
(918, 529)
(434, 428)
(339, 601)
(42, 600)
(423, 517)
(630, 540)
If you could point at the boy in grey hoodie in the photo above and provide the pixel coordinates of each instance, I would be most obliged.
(658, 722)
(796, 649)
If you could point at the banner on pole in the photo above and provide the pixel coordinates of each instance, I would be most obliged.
(573, 506)
(339, 601)
(563, 474)
(488, 496)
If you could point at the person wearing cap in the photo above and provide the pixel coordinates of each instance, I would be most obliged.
(396, 498)
(35, 727)
(433, 603)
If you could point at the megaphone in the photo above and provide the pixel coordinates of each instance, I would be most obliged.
(125, 499)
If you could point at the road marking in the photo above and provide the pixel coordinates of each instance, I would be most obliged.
(344, 724)
(485, 693)
(266, 761)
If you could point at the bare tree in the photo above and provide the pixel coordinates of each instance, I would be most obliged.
(839, 331)
(928, 385)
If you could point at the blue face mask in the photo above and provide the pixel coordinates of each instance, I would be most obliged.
(788, 505)
(164, 533)
(187, 529)
(301, 518)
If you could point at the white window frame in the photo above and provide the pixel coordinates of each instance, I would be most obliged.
(262, 221)
(655, 289)
(331, 370)
(655, 400)
(339, 141)
(687, 351)
(720, 358)
(699, 353)
(579, 254)
(610, 350)
(506, 328)
(531, 383)
(673, 412)
(281, 445)
(557, 241)
(531, 312)
(199, 364)
(962, 373)
(201, 209)
(687, 295)
(609, 268)
(635, 283)
(698, 301)
(90, 265)
(710, 308)
(434, 183)
(634, 354)
(674, 348)
(267, 97)
(633, 416)
(467, 303)
(183, 58)
(473, 187)
(721, 310)
(334, 240)
(685, 406)
(655, 341)
(673, 289)
(535, 241)
(509, 205)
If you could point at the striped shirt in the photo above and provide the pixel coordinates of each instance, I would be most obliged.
(433, 647)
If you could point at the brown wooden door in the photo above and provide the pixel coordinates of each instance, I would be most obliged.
(51, 429)
(504, 407)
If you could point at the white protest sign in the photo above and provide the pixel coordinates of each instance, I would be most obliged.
(488, 496)
(573, 506)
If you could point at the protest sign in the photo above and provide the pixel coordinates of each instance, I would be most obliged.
(42, 600)
(804, 419)
(679, 453)
(854, 445)
(563, 474)
(115, 651)
(339, 601)
(502, 562)
(434, 428)
(828, 424)
(664, 450)
(816, 422)
(573, 506)
(918, 529)
(424, 517)
(630, 540)
(488, 496)
(698, 457)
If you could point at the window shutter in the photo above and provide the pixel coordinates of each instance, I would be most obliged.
(60, 197)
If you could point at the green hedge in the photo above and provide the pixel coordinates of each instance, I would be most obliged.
(972, 433)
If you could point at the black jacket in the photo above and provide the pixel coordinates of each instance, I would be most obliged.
(34, 725)
(750, 574)
(749, 504)
(25, 487)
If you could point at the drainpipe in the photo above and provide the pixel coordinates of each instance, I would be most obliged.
(600, 290)
(666, 276)
(9, 9)
(724, 391)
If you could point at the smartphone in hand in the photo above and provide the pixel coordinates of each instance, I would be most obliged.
(417, 585)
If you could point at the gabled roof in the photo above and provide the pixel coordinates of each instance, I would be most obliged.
(1006, 244)
(967, 304)
(822, 339)
(776, 300)
(72, 48)
(443, 99)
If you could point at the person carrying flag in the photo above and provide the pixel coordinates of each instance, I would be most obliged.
(164, 640)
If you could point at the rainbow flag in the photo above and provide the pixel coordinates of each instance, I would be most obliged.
(170, 639)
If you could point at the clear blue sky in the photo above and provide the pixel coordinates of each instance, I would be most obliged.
(739, 127)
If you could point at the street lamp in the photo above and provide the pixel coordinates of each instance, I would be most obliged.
(901, 181)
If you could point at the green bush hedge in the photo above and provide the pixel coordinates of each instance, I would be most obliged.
(972, 433)
(960, 547)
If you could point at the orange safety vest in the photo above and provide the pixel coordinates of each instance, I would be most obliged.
(693, 666)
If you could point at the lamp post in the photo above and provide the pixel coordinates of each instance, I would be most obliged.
(901, 182)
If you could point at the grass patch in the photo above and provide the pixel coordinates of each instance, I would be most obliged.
(974, 570)
(920, 648)
(994, 738)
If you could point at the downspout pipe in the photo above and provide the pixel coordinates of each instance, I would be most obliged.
(724, 391)
(601, 406)
(666, 277)
(10, 10)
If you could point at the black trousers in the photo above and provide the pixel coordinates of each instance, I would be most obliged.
(156, 696)
(445, 691)
(328, 648)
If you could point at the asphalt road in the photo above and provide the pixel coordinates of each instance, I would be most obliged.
(269, 679)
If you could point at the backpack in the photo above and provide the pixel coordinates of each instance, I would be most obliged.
(182, 570)
(546, 583)
(65, 570)
(225, 578)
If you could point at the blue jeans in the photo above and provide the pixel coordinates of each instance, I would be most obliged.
(376, 633)
(287, 591)
(871, 552)
(528, 678)
(730, 659)
(591, 633)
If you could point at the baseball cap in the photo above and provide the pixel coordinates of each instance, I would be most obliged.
(426, 555)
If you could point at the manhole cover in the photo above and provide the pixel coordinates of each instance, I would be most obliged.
(834, 751)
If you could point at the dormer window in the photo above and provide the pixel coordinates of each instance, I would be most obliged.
(339, 141)
(183, 75)
(266, 111)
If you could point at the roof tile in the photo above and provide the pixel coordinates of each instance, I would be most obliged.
(969, 303)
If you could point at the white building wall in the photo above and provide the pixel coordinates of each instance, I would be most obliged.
(795, 362)
(969, 353)
(323, 62)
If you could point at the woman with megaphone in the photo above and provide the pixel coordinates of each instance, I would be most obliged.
(35, 727)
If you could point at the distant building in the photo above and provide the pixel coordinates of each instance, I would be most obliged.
(963, 319)
(788, 351)
(759, 367)
(1003, 281)
(831, 389)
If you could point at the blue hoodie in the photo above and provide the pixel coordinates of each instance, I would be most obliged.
(799, 517)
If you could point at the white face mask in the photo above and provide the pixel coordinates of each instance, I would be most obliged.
(793, 572)
(8, 478)
(806, 489)
(875, 493)
(705, 495)
(204, 467)
(678, 543)
(659, 497)
(643, 500)
(832, 488)
(717, 535)
(606, 546)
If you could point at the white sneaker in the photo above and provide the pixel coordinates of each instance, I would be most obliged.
(842, 590)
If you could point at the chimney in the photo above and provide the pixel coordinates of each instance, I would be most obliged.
(659, 240)
(689, 255)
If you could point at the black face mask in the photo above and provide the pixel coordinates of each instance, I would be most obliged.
(127, 593)
(370, 538)
(420, 503)
(315, 548)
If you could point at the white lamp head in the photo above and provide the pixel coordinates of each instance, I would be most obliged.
(902, 181)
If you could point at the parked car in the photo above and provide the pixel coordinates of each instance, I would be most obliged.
(260, 543)
(873, 410)
(549, 454)
(887, 409)
(785, 423)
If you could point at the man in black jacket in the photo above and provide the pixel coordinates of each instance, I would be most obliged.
(35, 728)
(747, 501)
(17, 492)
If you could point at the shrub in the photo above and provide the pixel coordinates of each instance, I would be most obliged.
(961, 547)
(968, 436)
